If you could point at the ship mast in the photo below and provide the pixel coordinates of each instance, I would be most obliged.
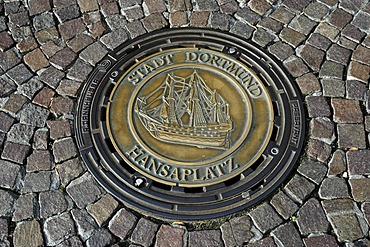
(196, 116)
(171, 101)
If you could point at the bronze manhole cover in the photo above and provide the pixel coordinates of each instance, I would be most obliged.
(189, 124)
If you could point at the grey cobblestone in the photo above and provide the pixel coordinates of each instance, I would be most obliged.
(317, 106)
(37, 182)
(71, 242)
(291, 36)
(40, 139)
(58, 228)
(356, 90)
(68, 88)
(361, 54)
(15, 152)
(339, 18)
(4, 227)
(346, 227)
(103, 209)
(116, 22)
(84, 222)
(284, 205)
(311, 218)
(61, 106)
(358, 162)
(51, 76)
(8, 59)
(69, 170)
(351, 135)
(6, 122)
(67, 13)
(271, 24)
(52, 203)
(361, 21)
(34, 115)
(265, 210)
(337, 164)
(15, 103)
(135, 29)
(79, 71)
(114, 39)
(25, 207)
(39, 160)
(122, 223)
(19, 74)
(9, 174)
(64, 149)
(237, 231)
(331, 70)
(316, 11)
(333, 88)
(295, 66)
(45, 20)
(211, 238)
(266, 242)
(302, 24)
(299, 188)
(38, 6)
(328, 31)
(320, 241)
(242, 29)
(27, 234)
(154, 22)
(220, 21)
(315, 171)
(351, 6)
(20, 133)
(360, 189)
(333, 187)
(6, 203)
(144, 232)
(83, 190)
(59, 128)
(93, 53)
(281, 50)
(30, 88)
(80, 42)
(353, 33)
(100, 238)
(346, 111)
(283, 15)
(169, 236)
(338, 54)
(287, 235)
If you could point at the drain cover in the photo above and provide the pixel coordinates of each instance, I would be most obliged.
(189, 124)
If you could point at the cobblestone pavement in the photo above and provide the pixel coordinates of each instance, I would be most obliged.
(47, 49)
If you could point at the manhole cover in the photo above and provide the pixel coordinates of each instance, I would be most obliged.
(189, 124)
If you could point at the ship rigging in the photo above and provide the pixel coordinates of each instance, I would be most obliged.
(184, 110)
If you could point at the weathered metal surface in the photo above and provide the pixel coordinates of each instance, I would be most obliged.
(189, 124)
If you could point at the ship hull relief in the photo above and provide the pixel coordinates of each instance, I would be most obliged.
(189, 113)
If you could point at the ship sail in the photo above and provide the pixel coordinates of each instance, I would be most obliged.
(185, 110)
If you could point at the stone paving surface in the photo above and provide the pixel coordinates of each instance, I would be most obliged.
(48, 48)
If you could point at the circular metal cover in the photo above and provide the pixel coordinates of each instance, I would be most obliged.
(189, 124)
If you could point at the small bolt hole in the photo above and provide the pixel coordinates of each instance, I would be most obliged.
(274, 151)
(140, 182)
(232, 51)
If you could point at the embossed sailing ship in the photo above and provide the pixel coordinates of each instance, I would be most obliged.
(186, 111)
